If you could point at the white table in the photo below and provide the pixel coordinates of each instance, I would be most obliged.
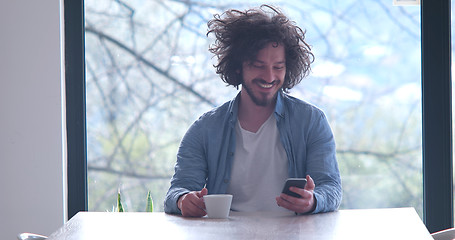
(366, 224)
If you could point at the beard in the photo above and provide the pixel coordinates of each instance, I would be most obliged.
(261, 99)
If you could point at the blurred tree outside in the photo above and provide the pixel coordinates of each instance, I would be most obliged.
(150, 75)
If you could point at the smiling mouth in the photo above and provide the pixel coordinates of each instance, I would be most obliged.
(266, 85)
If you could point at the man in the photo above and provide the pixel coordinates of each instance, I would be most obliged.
(249, 146)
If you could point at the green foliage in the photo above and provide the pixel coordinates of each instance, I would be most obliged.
(119, 202)
(148, 207)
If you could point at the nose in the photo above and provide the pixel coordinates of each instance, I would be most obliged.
(269, 75)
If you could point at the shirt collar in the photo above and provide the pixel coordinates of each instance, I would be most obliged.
(279, 107)
(234, 109)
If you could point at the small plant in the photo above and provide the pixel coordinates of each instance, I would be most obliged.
(120, 208)
(149, 207)
(119, 202)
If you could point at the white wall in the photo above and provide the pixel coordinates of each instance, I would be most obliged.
(31, 166)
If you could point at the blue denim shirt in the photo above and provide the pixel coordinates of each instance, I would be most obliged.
(206, 152)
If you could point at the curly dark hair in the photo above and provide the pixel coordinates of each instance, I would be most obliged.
(240, 35)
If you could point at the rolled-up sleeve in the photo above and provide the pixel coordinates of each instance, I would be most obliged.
(190, 168)
(322, 166)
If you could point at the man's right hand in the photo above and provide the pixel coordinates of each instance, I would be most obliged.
(192, 204)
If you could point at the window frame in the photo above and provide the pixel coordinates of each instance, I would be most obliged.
(437, 114)
(436, 111)
(76, 140)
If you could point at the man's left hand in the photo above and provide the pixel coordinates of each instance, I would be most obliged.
(305, 204)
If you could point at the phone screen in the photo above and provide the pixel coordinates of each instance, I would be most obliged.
(293, 182)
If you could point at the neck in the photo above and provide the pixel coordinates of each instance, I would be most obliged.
(252, 116)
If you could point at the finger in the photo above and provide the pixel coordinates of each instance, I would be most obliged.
(300, 191)
(294, 204)
(195, 201)
(286, 204)
(306, 194)
(282, 202)
(287, 198)
(193, 208)
(201, 193)
(196, 211)
(199, 202)
(295, 207)
(192, 205)
(310, 183)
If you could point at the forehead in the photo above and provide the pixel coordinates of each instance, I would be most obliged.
(271, 53)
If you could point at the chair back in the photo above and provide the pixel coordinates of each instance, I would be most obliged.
(30, 236)
(447, 234)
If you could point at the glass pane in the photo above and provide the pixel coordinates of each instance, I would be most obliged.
(150, 75)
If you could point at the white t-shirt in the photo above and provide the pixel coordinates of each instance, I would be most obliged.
(259, 170)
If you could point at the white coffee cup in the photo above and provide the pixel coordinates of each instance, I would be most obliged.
(218, 205)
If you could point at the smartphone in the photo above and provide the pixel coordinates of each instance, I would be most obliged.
(293, 182)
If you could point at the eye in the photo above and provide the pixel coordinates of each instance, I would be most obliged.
(279, 67)
(258, 66)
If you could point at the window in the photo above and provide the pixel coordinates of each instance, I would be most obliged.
(149, 76)
(371, 90)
